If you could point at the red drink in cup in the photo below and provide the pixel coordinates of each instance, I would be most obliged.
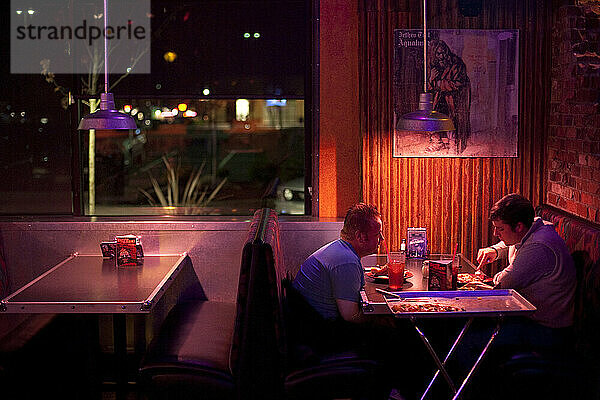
(396, 263)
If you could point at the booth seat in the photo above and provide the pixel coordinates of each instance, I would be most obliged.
(583, 240)
(303, 372)
(17, 331)
(201, 344)
(574, 372)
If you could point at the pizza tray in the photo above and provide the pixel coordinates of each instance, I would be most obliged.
(475, 303)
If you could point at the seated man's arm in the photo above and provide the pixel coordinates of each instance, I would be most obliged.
(532, 262)
(350, 311)
(346, 282)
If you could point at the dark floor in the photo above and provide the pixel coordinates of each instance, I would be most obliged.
(62, 364)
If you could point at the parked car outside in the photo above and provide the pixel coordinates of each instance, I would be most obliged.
(290, 197)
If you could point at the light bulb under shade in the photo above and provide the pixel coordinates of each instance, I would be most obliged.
(425, 119)
(107, 117)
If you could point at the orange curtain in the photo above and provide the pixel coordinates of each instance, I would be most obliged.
(450, 197)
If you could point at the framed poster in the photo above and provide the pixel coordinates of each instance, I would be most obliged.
(473, 78)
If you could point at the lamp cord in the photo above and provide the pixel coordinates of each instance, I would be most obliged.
(105, 50)
(424, 46)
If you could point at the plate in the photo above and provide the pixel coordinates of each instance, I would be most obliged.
(385, 278)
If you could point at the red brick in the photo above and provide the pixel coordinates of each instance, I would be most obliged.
(583, 159)
(586, 95)
(567, 120)
(564, 108)
(584, 108)
(587, 198)
(593, 188)
(575, 145)
(571, 206)
(556, 188)
(573, 157)
(582, 210)
(563, 178)
(578, 120)
(562, 203)
(558, 132)
(586, 172)
(596, 202)
(576, 170)
(552, 198)
(592, 213)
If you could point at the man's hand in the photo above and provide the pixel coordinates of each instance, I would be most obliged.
(350, 310)
(486, 256)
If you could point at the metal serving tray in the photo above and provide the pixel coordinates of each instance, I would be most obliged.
(475, 303)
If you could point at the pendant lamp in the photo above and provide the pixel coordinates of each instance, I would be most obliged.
(107, 117)
(425, 119)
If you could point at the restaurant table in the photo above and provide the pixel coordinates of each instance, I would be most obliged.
(469, 304)
(90, 284)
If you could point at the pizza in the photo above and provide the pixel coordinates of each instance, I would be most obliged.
(468, 278)
(463, 279)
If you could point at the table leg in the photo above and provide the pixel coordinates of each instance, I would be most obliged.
(456, 342)
(139, 334)
(483, 352)
(434, 355)
(120, 345)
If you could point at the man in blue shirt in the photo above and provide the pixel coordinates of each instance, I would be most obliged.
(326, 301)
(330, 279)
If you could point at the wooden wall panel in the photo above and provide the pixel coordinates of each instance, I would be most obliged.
(451, 197)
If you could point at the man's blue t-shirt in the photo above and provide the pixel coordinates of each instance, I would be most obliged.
(332, 272)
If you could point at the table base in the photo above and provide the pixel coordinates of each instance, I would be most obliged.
(442, 364)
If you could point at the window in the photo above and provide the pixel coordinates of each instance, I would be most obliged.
(197, 156)
(223, 109)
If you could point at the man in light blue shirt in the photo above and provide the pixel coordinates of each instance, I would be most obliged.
(330, 279)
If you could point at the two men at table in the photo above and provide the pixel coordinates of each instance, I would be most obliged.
(540, 266)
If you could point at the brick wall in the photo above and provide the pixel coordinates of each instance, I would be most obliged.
(573, 150)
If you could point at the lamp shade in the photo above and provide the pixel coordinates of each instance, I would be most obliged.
(107, 117)
(425, 119)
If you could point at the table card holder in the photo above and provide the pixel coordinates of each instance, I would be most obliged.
(442, 275)
(126, 249)
(109, 249)
(417, 243)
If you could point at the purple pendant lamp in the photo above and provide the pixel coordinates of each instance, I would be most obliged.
(107, 117)
(425, 119)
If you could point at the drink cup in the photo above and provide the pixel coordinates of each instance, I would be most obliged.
(396, 264)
